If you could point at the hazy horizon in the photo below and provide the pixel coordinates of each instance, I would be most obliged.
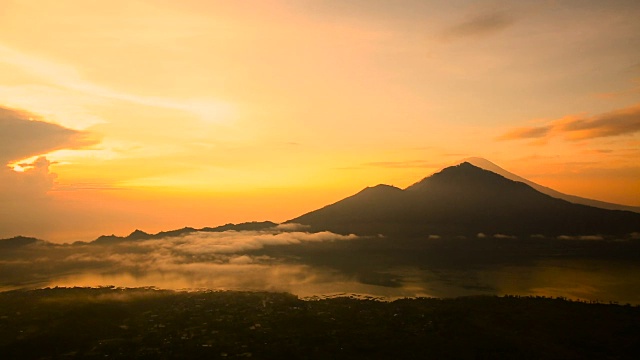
(156, 115)
(291, 225)
(283, 259)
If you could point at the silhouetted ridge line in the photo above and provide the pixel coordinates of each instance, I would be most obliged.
(141, 235)
(465, 200)
(247, 226)
(488, 165)
(19, 241)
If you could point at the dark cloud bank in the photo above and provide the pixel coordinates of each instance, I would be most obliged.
(23, 135)
(25, 205)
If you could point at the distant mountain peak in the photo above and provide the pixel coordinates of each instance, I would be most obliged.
(463, 167)
(139, 234)
(478, 162)
(465, 199)
(461, 177)
(490, 166)
(383, 187)
(380, 188)
(19, 241)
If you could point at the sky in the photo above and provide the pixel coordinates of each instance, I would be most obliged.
(158, 114)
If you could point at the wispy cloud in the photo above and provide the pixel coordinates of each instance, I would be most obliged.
(616, 123)
(480, 24)
(67, 77)
(231, 242)
(402, 164)
(526, 133)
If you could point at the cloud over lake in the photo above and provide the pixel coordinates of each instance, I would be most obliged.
(198, 259)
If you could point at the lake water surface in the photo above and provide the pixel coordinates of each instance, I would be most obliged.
(587, 280)
(327, 264)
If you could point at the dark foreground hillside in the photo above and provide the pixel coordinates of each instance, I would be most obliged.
(144, 323)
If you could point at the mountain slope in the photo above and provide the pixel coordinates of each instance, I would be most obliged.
(18, 242)
(488, 165)
(373, 210)
(465, 200)
(141, 235)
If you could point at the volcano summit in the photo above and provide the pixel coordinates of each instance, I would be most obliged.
(466, 200)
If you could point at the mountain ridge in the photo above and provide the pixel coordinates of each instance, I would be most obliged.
(141, 235)
(465, 200)
(439, 204)
(490, 166)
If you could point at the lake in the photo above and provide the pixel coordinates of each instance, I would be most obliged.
(326, 264)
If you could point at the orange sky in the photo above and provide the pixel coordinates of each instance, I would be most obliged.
(163, 114)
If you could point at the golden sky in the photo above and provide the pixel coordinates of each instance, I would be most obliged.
(151, 114)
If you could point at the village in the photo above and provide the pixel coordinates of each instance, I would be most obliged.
(108, 322)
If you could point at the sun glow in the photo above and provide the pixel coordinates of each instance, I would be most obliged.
(203, 99)
(23, 165)
(17, 168)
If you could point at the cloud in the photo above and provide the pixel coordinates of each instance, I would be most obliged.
(207, 259)
(33, 183)
(411, 164)
(24, 139)
(292, 227)
(25, 207)
(582, 237)
(65, 76)
(504, 236)
(481, 24)
(232, 242)
(616, 123)
(23, 135)
(526, 133)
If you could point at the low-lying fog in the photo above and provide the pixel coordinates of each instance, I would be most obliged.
(316, 264)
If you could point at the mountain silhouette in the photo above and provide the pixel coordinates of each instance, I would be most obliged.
(466, 200)
(245, 226)
(141, 235)
(18, 241)
(488, 165)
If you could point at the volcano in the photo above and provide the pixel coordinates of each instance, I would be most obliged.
(466, 200)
